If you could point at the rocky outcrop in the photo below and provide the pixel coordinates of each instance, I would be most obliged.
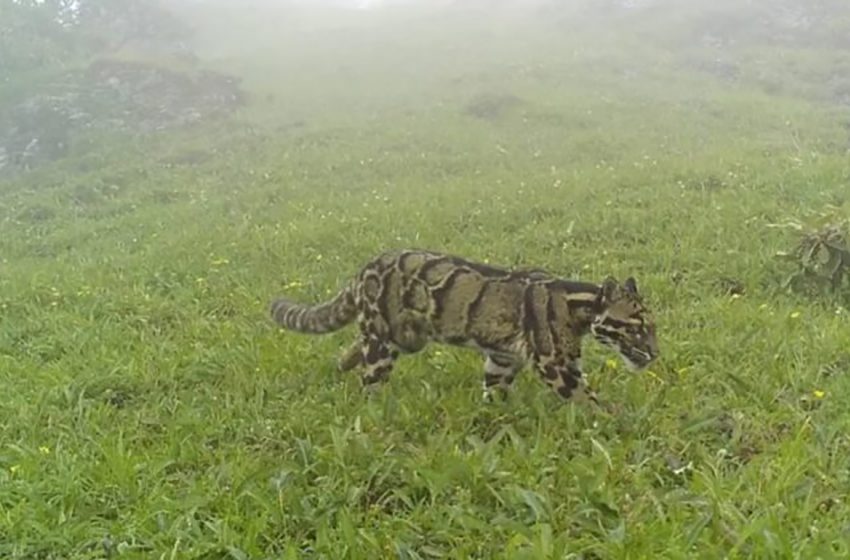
(110, 96)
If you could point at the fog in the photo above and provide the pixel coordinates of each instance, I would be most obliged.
(317, 58)
(321, 57)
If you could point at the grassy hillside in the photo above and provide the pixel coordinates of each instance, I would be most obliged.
(151, 410)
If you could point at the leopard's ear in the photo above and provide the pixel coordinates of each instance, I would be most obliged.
(631, 286)
(609, 291)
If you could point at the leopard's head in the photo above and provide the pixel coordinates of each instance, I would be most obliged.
(624, 323)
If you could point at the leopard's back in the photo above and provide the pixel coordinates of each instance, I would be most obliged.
(414, 297)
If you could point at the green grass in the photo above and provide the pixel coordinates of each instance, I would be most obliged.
(150, 409)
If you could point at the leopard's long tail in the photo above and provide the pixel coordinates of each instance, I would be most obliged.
(316, 319)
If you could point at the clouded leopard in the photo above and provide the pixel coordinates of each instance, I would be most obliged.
(402, 300)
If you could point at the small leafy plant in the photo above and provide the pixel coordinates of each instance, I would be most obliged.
(822, 256)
